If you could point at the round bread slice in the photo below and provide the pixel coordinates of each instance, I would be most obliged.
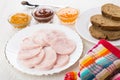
(105, 23)
(111, 11)
(98, 33)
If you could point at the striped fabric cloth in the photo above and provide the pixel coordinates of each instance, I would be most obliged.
(100, 61)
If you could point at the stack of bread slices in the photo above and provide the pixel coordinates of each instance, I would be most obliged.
(106, 25)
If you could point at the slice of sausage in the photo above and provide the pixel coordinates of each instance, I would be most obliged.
(32, 62)
(27, 54)
(49, 60)
(63, 45)
(39, 36)
(62, 60)
(29, 44)
(52, 35)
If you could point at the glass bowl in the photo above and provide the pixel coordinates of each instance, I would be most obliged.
(19, 20)
(43, 14)
(67, 15)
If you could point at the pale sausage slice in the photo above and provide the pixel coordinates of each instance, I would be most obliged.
(52, 35)
(31, 63)
(39, 36)
(62, 60)
(29, 44)
(27, 54)
(39, 40)
(63, 45)
(49, 60)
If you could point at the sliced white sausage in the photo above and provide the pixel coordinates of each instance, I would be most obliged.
(49, 60)
(62, 60)
(52, 35)
(29, 44)
(39, 36)
(31, 63)
(63, 45)
(27, 54)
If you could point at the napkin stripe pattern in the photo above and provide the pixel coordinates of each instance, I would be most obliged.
(100, 61)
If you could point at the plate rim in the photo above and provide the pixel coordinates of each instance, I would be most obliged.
(58, 71)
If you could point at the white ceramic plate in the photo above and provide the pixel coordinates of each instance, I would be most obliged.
(83, 24)
(13, 47)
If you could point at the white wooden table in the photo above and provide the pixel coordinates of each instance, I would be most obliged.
(7, 7)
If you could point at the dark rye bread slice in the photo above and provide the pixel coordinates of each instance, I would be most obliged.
(111, 11)
(98, 33)
(105, 23)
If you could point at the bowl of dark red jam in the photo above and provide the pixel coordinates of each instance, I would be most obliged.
(43, 14)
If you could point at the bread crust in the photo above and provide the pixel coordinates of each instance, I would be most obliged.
(111, 11)
(105, 23)
(98, 33)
